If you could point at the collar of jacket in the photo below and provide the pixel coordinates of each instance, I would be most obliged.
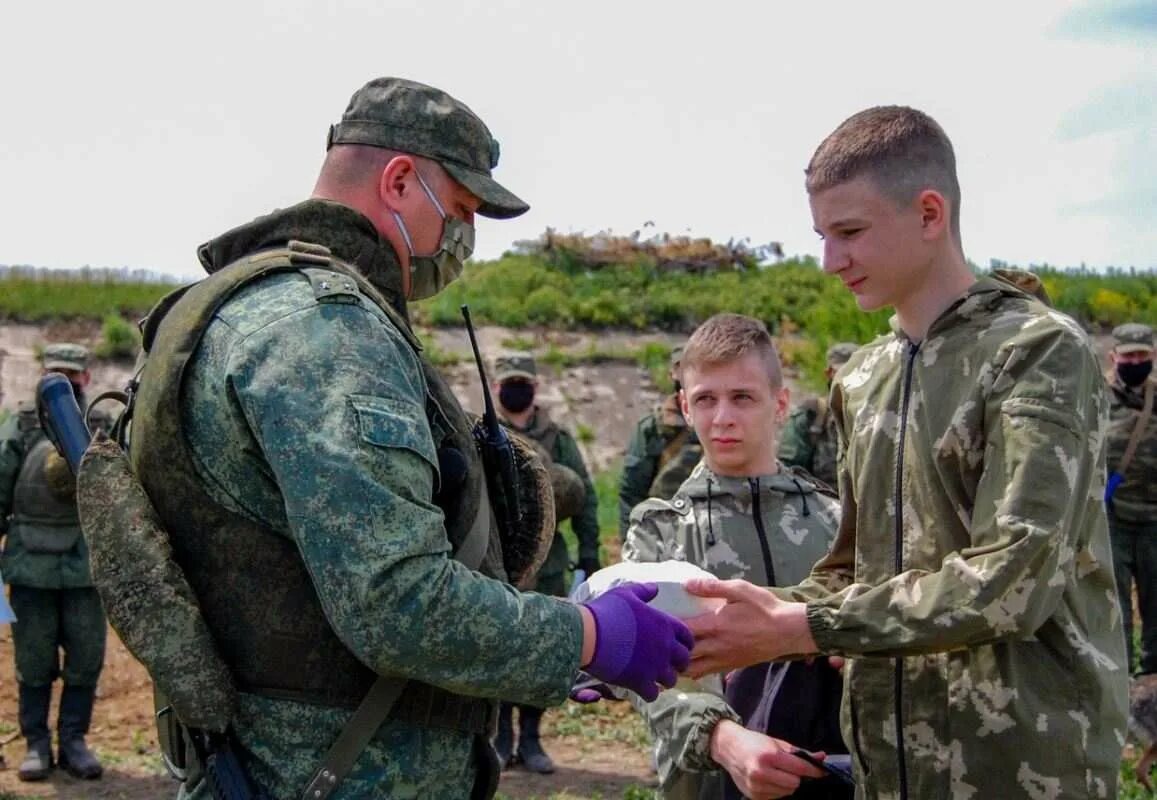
(346, 232)
(982, 296)
(539, 424)
(1131, 396)
(784, 481)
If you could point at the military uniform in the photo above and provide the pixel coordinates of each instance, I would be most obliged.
(313, 428)
(971, 579)
(662, 452)
(562, 449)
(45, 561)
(768, 530)
(809, 438)
(1133, 505)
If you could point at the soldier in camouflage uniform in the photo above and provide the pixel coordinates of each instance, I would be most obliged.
(45, 561)
(306, 464)
(971, 582)
(1132, 500)
(752, 519)
(661, 453)
(515, 385)
(809, 438)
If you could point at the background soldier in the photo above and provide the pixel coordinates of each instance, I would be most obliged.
(809, 438)
(515, 386)
(741, 514)
(661, 453)
(1132, 491)
(46, 563)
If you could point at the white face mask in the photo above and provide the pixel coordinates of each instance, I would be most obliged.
(433, 273)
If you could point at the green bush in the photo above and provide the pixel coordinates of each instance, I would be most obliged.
(119, 339)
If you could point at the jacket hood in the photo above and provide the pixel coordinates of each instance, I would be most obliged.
(787, 481)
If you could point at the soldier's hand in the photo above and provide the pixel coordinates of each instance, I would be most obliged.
(637, 647)
(761, 766)
(753, 626)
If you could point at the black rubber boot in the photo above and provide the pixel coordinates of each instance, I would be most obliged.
(530, 752)
(75, 716)
(34, 701)
(504, 739)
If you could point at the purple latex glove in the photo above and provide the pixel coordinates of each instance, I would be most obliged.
(637, 646)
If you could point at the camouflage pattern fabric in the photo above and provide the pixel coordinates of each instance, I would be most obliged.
(43, 547)
(564, 450)
(646, 472)
(1133, 510)
(971, 580)
(710, 523)
(1135, 500)
(323, 437)
(52, 621)
(809, 440)
(132, 560)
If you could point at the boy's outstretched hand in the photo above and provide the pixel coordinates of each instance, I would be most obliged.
(754, 626)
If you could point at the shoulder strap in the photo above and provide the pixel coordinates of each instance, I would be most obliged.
(1138, 430)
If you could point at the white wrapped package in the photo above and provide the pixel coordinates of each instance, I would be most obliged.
(669, 576)
(672, 599)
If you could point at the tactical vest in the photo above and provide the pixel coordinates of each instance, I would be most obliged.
(272, 632)
(44, 521)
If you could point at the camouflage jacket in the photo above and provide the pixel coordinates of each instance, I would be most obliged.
(309, 417)
(810, 440)
(660, 455)
(43, 546)
(971, 580)
(1136, 498)
(769, 530)
(564, 450)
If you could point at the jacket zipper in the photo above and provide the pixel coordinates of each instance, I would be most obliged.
(901, 761)
(757, 514)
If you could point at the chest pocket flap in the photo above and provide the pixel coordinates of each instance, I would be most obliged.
(394, 423)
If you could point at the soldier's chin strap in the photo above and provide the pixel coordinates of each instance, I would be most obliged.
(384, 694)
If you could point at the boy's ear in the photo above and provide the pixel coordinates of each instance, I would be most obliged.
(782, 404)
(934, 213)
(684, 406)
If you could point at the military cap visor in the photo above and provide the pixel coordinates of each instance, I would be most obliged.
(1133, 337)
(66, 356)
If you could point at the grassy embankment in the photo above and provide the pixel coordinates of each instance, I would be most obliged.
(520, 291)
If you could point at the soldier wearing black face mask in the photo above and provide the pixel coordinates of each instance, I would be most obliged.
(1131, 493)
(45, 561)
(516, 382)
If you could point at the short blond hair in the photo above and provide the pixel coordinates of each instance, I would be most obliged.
(729, 337)
(901, 150)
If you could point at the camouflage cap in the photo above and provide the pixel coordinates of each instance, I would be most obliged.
(63, 355)
(840, 352)
(1132, 337)
(515, 365)
(411, 117)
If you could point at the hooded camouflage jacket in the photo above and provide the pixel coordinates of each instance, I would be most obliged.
(308, 415)
(769, 530)
(971, 580)
(1135, 500)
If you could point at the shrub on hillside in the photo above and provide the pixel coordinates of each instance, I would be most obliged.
(119, 339)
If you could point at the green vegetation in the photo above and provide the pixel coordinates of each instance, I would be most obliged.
(119, 338)
(40, 295)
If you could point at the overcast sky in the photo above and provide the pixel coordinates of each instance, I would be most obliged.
(132, 131)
